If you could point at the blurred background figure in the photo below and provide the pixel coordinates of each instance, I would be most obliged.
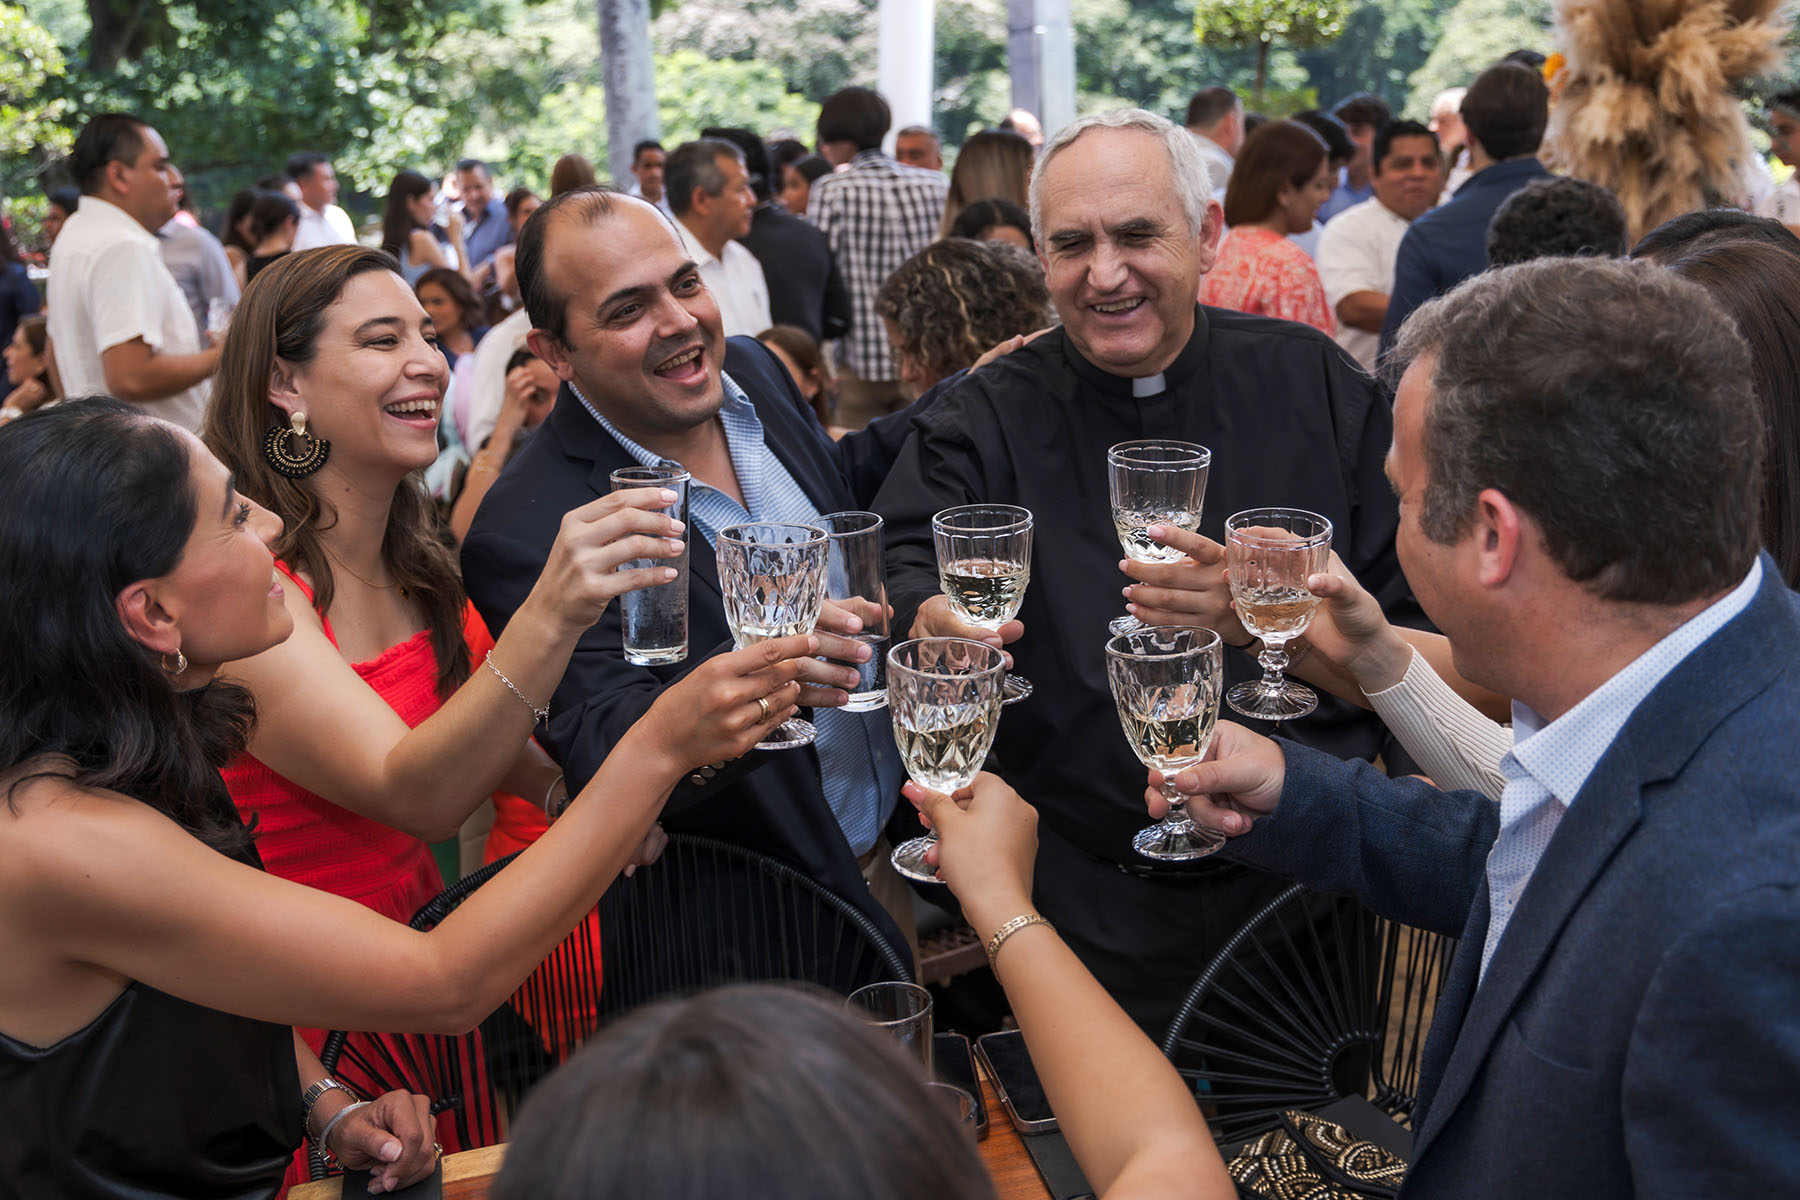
(917, 146)
(570, 172)
(993, 163)
(1277, 186)
(271, 225)
(30, 382)
(800, 355)
(797, 178)
(411, 233)
(18, 295)
(1561, 217)
(954, 301)
(63, 202)
(994, 220)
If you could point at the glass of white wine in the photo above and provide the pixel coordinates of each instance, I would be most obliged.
(1166, 681)
(984, 565)
(1269, 552)
(1154, 482)
(944, 697)
(773, 579)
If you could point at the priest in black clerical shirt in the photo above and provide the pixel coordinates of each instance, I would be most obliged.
(1127, 227)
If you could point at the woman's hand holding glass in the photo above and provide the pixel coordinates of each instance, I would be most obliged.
(1350, 631)
(582, 574)
(986, 849)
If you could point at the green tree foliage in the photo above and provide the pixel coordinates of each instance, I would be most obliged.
(31, 115)
(1475, 35)
(1383, 43)
(1260, 24)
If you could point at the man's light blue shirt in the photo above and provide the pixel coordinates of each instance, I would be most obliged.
(859, 766)
(1550, 762)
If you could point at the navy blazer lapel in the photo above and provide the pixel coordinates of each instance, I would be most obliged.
(1664, 732)
(1447, 1020)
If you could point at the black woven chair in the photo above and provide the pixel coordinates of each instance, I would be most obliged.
(704, 914)
(1314, 999)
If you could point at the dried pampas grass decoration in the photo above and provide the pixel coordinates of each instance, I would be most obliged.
(1646, 104)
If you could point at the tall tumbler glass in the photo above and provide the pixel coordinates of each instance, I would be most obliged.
(902, 1011)
(656, 618)
(856, 578)
(944, 695)
(1154, 482)
(773, 577)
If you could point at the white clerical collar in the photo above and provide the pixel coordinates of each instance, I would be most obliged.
(1149, 385)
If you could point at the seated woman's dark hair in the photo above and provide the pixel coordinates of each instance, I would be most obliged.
(812, 168)
(108, 500)
(740, 1093)
(1678, 235)
(982, 215)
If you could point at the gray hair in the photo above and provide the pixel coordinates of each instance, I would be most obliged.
(1611, 401)
(693, 165)
(1185, 164)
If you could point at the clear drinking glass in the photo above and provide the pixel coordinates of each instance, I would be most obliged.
(902, 1011)
(856, 578)
(984, 565)
(655, 619)
(1269, 553)
(1154, 482)
(773, 578)
(1166, 681)
(944, 695)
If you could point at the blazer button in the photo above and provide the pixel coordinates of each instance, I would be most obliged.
(696, 780)
(709, 772)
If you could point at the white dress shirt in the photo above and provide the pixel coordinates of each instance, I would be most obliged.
(109, 286)
(1218, 163)
(1550, 762)
(736, 281)
(1357, 250)
(329, 228)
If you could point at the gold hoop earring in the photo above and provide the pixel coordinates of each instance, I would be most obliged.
(180, 662)
(295, 463)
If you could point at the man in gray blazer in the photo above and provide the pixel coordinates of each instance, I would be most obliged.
(1577, 453)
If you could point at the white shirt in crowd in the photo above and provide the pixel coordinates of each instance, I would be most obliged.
(329, 228)
(1357, 251)
(108, 285)
(1218, 163)
(1783, 202)
(736, 281)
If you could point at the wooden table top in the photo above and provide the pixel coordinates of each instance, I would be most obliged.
(469, 1175)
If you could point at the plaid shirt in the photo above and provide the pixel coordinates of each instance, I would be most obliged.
(876, 214)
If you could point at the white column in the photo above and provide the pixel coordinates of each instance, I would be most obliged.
(1040, 48)
(905, 53)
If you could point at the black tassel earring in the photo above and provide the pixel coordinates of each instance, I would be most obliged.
(299, 459)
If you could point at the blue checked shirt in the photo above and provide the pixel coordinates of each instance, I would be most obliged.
(1549, 763)
(875, 213)
(859, 766)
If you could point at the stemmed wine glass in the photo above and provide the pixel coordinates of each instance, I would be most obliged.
(1269, 552)
(984, 564)
(1154, 482)
(944, 695)
(773, 578)
(1166, 681)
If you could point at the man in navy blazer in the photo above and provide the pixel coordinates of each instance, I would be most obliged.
(1577, 454)
(618, 310)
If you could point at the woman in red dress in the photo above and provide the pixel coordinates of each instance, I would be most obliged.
(1280, 180)
(390, 714)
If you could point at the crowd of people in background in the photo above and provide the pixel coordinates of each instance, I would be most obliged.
(353, 589)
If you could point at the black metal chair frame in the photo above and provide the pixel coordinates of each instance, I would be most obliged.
(646, 954)
(1312, 999)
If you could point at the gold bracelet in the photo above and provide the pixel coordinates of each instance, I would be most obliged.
(1007, 930)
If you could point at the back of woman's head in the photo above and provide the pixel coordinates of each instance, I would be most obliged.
(995, 162)
(397, 224)
(738, 1094)
(570, 172)
(955, 300)
(1756, 283)
(1281, 153)
(268, 212)
(101, 497)
(240, 206)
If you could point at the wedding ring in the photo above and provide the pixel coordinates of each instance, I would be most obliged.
(437, 1149)
(763, 703)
